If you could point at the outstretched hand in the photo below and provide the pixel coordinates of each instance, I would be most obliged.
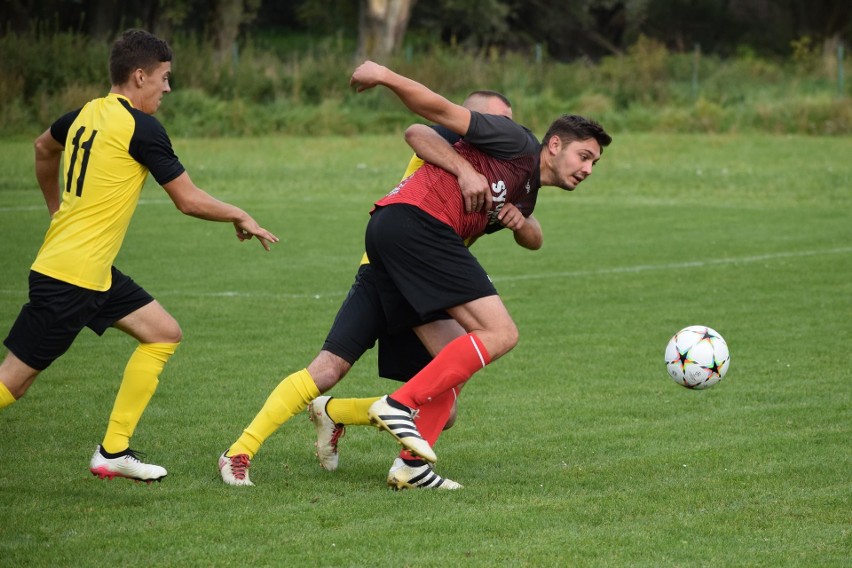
(249, 228)
(366, 76)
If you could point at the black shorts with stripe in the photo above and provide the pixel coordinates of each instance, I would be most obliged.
(360, 322)
(57, 311)
(422, 266)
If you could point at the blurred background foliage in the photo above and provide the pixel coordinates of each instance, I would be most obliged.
(256, 67)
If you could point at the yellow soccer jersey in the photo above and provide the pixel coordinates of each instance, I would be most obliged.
(109, 149)
(413, 165)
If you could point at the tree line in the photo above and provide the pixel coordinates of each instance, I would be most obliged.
(566, 30)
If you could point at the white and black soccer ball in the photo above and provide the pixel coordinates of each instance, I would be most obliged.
(697, 357)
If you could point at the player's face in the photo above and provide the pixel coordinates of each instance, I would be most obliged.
(155, 85)
(570, 163)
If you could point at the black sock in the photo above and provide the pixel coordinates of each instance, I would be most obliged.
(398, 405)
(110, 456)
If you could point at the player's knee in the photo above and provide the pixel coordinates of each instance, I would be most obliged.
(512, 337)
(327, 369)
(504, 341)
(18, 391)
(166, 329)
(173, 333)
(16, 375)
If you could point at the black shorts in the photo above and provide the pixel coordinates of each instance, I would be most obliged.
(402, 355)
(360, 322)
(57, 311)
(422, 266)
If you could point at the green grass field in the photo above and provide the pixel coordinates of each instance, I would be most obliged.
(576, 449)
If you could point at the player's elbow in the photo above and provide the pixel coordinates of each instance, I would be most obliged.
(530, 242)
(189, 207)
(39, 148)
(535, 245)
(186, 207)
(414, 133)
(46, 148)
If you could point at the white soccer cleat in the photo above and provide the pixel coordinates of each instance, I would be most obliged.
(399, 422)
(404, 476)
(234, 469)
(126, 465)
(328, 433)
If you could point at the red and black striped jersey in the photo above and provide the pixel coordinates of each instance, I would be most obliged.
(506, 153)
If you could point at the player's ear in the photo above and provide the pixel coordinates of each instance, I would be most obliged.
(554, 144)
(138, 77)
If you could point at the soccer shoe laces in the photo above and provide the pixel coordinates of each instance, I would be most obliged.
(339, 432)
(239, 465)
(135, 455)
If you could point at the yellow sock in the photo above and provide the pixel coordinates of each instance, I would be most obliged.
(6, 397)
(290, 397)
(350, 411)
(141, 377)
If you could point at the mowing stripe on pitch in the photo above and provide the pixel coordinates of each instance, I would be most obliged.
(579, 273)
(674, 265)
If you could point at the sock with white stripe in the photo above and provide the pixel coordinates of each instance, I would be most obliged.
(455, 364)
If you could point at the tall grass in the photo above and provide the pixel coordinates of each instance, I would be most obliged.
(268, 87)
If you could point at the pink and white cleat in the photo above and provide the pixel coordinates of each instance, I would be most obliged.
(127, 464)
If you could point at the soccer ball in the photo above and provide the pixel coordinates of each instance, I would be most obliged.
(697, 357)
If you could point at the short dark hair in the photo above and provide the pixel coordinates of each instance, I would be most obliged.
(136, 49)
(570, 128)
(490, 94)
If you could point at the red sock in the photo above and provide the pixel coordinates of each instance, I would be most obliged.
(431, 419)
(455, 364)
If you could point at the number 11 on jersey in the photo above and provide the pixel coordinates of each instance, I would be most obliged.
(87, 148)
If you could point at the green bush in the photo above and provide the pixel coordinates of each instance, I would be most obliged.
(50, 63)
(271, 87)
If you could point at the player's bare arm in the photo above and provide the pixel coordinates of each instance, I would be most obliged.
(47, 159)
(433, 148)
(526, 230)
(417, 97)
(195, 202)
